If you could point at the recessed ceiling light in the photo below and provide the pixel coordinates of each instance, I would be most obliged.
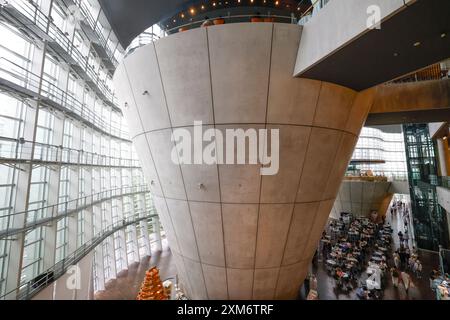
(395, 54)
(417, 44)
(443, 35)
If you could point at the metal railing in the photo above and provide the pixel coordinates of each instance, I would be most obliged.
(37, 18)
(33, 218)
(95, 26)
(21, 77)
(312, 10)
(147, 37)
(439, 181)
(21, 151)
(29, 289)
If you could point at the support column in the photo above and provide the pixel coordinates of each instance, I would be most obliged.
(16, 248)
(53, 197)
(441, 157)
(446, 154)
(88, 189)
(74, 186)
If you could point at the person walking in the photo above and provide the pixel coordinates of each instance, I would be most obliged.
(396, 260)
(418, 269)
(400, 237)
(406, 279)
(306, 285)
(394, 276)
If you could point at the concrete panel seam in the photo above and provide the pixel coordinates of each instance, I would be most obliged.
(248, 124)
(298, 185)
(217, 165)
(181, 171)
(261, 180)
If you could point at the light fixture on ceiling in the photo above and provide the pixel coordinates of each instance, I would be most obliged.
(443, 35)
(418, 43)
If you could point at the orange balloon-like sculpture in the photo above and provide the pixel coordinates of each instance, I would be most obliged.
(152, 288)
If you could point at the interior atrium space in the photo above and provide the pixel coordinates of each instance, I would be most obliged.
(224, 150)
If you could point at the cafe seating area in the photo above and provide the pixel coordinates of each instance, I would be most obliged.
(355, 253)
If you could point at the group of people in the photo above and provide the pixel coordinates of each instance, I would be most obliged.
(440, 284)
(406, 262)
(404, 259)
(349, 246)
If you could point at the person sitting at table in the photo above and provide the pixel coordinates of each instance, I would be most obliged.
(362, 293)
(339, 273)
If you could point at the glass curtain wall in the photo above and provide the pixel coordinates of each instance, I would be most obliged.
(381, 152)
(67, 164)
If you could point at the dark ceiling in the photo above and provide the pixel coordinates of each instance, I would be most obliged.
(129, 18)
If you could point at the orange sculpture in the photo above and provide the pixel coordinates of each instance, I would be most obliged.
(152, 288)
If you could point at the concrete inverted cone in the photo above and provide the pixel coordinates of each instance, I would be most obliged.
(234, 233)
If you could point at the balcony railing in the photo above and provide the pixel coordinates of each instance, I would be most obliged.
(41, 216)
(13, 150)
(312, 10)
(439, 181)
(95, 26)
(148, 37)
(37, 18)
(31, 288)
(20, 76)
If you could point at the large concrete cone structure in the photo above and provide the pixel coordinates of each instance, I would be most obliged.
(236, 234)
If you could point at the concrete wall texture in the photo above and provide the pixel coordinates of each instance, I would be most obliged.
(242, 235)
(360, 197)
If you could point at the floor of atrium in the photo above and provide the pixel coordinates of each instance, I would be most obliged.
(128, 282)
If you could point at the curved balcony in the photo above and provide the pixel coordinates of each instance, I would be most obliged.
(20, 151)
(101, 44)
(22, 82)
(42, 216)
(31, 288)
(149, 37)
